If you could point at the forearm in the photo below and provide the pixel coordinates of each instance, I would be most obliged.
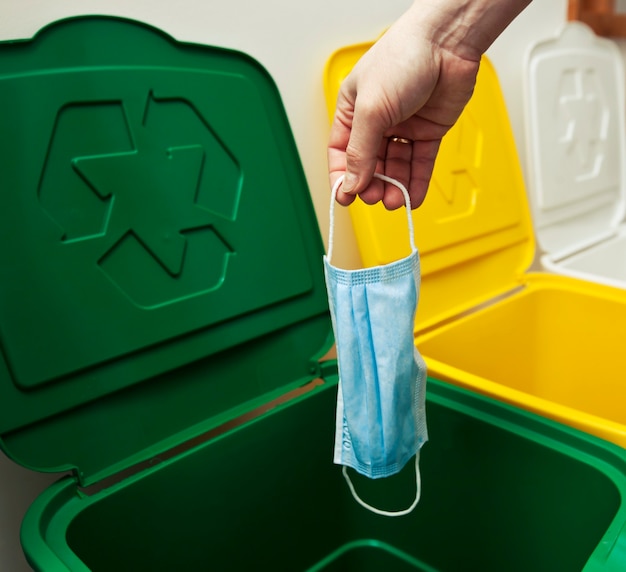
(465, 28)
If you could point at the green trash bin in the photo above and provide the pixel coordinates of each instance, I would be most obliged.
(164, 331)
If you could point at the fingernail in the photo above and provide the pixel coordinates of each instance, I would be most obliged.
(349, 182)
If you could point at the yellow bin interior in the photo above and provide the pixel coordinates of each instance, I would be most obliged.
(550, 344)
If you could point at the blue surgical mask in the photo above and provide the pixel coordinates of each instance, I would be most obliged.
(381, 420)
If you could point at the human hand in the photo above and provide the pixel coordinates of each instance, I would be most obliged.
(405, 93)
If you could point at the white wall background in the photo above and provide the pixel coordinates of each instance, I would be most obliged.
(292, 40)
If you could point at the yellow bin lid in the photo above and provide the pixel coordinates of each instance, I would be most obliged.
(474, 230)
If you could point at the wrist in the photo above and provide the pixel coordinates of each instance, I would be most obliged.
(465, 28)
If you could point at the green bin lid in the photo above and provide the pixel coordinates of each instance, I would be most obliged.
(161, 260)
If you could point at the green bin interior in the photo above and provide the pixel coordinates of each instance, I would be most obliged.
(502, 489)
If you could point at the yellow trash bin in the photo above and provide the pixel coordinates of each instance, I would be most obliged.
(547, 343)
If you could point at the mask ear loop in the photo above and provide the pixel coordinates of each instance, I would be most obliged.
(333, 196)
(331, 237)
(418, 492)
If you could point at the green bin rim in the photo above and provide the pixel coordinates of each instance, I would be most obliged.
(43, 528)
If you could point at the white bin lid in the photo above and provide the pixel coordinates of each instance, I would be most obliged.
(574, 113)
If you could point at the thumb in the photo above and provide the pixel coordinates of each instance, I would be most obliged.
(362, 151)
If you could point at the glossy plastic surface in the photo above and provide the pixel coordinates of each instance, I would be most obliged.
(159, 221)
(554, 347)
(502, 490)
(551, 344)
(576, 139)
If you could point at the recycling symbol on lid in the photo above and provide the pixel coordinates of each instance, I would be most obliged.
(145, 191)
(583, 121)
(457, 185)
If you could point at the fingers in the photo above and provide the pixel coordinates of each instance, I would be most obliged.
(422, 167)
(410, 162)
(398, 166)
